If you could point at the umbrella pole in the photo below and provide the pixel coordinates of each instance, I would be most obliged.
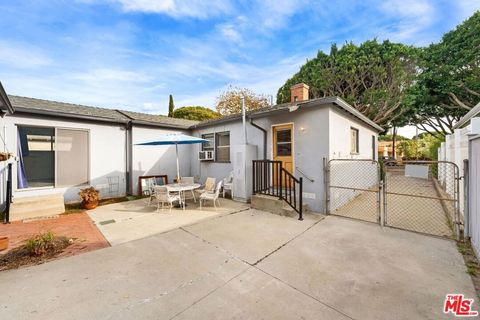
(178, 166)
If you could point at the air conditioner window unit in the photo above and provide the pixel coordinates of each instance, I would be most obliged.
(205, 155)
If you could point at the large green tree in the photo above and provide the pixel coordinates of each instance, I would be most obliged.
(195, 113)
(448, 85)
(372, 77)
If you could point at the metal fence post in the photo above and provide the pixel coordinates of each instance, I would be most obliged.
(301, 199)
(381, 198)
(466, 211)
(384, 186)
(326, 177)
(9, 194)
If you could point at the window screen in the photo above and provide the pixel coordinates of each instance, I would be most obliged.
(72, 157)
(223, 147)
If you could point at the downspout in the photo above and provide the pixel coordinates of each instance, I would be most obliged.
(264, 138)
(128, 158)
(244, 121)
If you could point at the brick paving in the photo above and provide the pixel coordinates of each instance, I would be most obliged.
(77, 226)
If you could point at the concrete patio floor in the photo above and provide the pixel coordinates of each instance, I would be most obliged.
(248, 265)
(131, 220)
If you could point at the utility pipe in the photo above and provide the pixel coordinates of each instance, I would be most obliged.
(264, 138)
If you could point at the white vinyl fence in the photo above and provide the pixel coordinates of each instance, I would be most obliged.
(454, 149)
(474, 194)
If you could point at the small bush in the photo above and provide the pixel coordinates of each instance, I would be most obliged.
(41, 244)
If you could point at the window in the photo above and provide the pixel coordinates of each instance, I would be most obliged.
(210, 145)
(36, 154)
(72, 157)
(284, 142)
(50, 157)
(223, 147)
(374, 148)
(354, 141)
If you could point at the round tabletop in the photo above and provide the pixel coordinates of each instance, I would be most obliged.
(177, 187)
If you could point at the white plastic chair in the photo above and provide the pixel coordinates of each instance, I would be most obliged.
(191, 194)
(162, 195)
(227, 184)
(212, 196)
(209, 186)
(150, 184)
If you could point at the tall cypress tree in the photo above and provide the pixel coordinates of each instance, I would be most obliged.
(171, 106)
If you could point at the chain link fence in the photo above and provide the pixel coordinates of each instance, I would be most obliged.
(422, 196)
(419, 196)
(353, 188)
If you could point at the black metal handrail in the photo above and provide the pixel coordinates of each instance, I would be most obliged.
(8, 194)
(270, 178)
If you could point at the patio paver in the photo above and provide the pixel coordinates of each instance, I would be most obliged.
(75, 225)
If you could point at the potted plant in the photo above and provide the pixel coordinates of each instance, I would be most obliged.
(3, 243)
(90, 197)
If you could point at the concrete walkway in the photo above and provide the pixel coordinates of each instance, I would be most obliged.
(247, 265)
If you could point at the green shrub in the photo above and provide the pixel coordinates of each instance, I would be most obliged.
(41, 244)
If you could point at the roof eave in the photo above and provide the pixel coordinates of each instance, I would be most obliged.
(310, 103)
(5, 101)
(60, 114)
(466, 118)
(162, 125)
(340, 102)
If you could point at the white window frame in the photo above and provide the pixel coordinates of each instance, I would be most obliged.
(55, 184)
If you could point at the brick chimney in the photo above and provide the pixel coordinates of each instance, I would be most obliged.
(299, 92)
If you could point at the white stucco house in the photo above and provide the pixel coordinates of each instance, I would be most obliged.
(61, 147)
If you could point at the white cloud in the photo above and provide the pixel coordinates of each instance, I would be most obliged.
(178, 8)
(22, 56)
(105, 74)
(230, 33)
(274, 14)
(412, 18)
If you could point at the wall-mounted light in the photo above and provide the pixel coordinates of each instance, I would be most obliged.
(302, 129)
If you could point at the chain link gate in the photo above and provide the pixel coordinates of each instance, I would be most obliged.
(423, 196)
(419, 196)
(353, 189)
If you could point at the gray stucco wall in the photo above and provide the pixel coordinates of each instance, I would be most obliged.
(310, 147)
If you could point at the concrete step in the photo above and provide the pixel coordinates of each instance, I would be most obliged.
(26, 208)
(274, 205)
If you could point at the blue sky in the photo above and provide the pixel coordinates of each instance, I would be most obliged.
(132, 54)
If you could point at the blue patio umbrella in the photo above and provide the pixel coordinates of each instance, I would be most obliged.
(174, 139)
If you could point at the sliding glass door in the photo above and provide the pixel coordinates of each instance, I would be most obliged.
(36, 153)
(52, 157)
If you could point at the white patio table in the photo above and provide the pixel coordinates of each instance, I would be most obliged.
(182, 187)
